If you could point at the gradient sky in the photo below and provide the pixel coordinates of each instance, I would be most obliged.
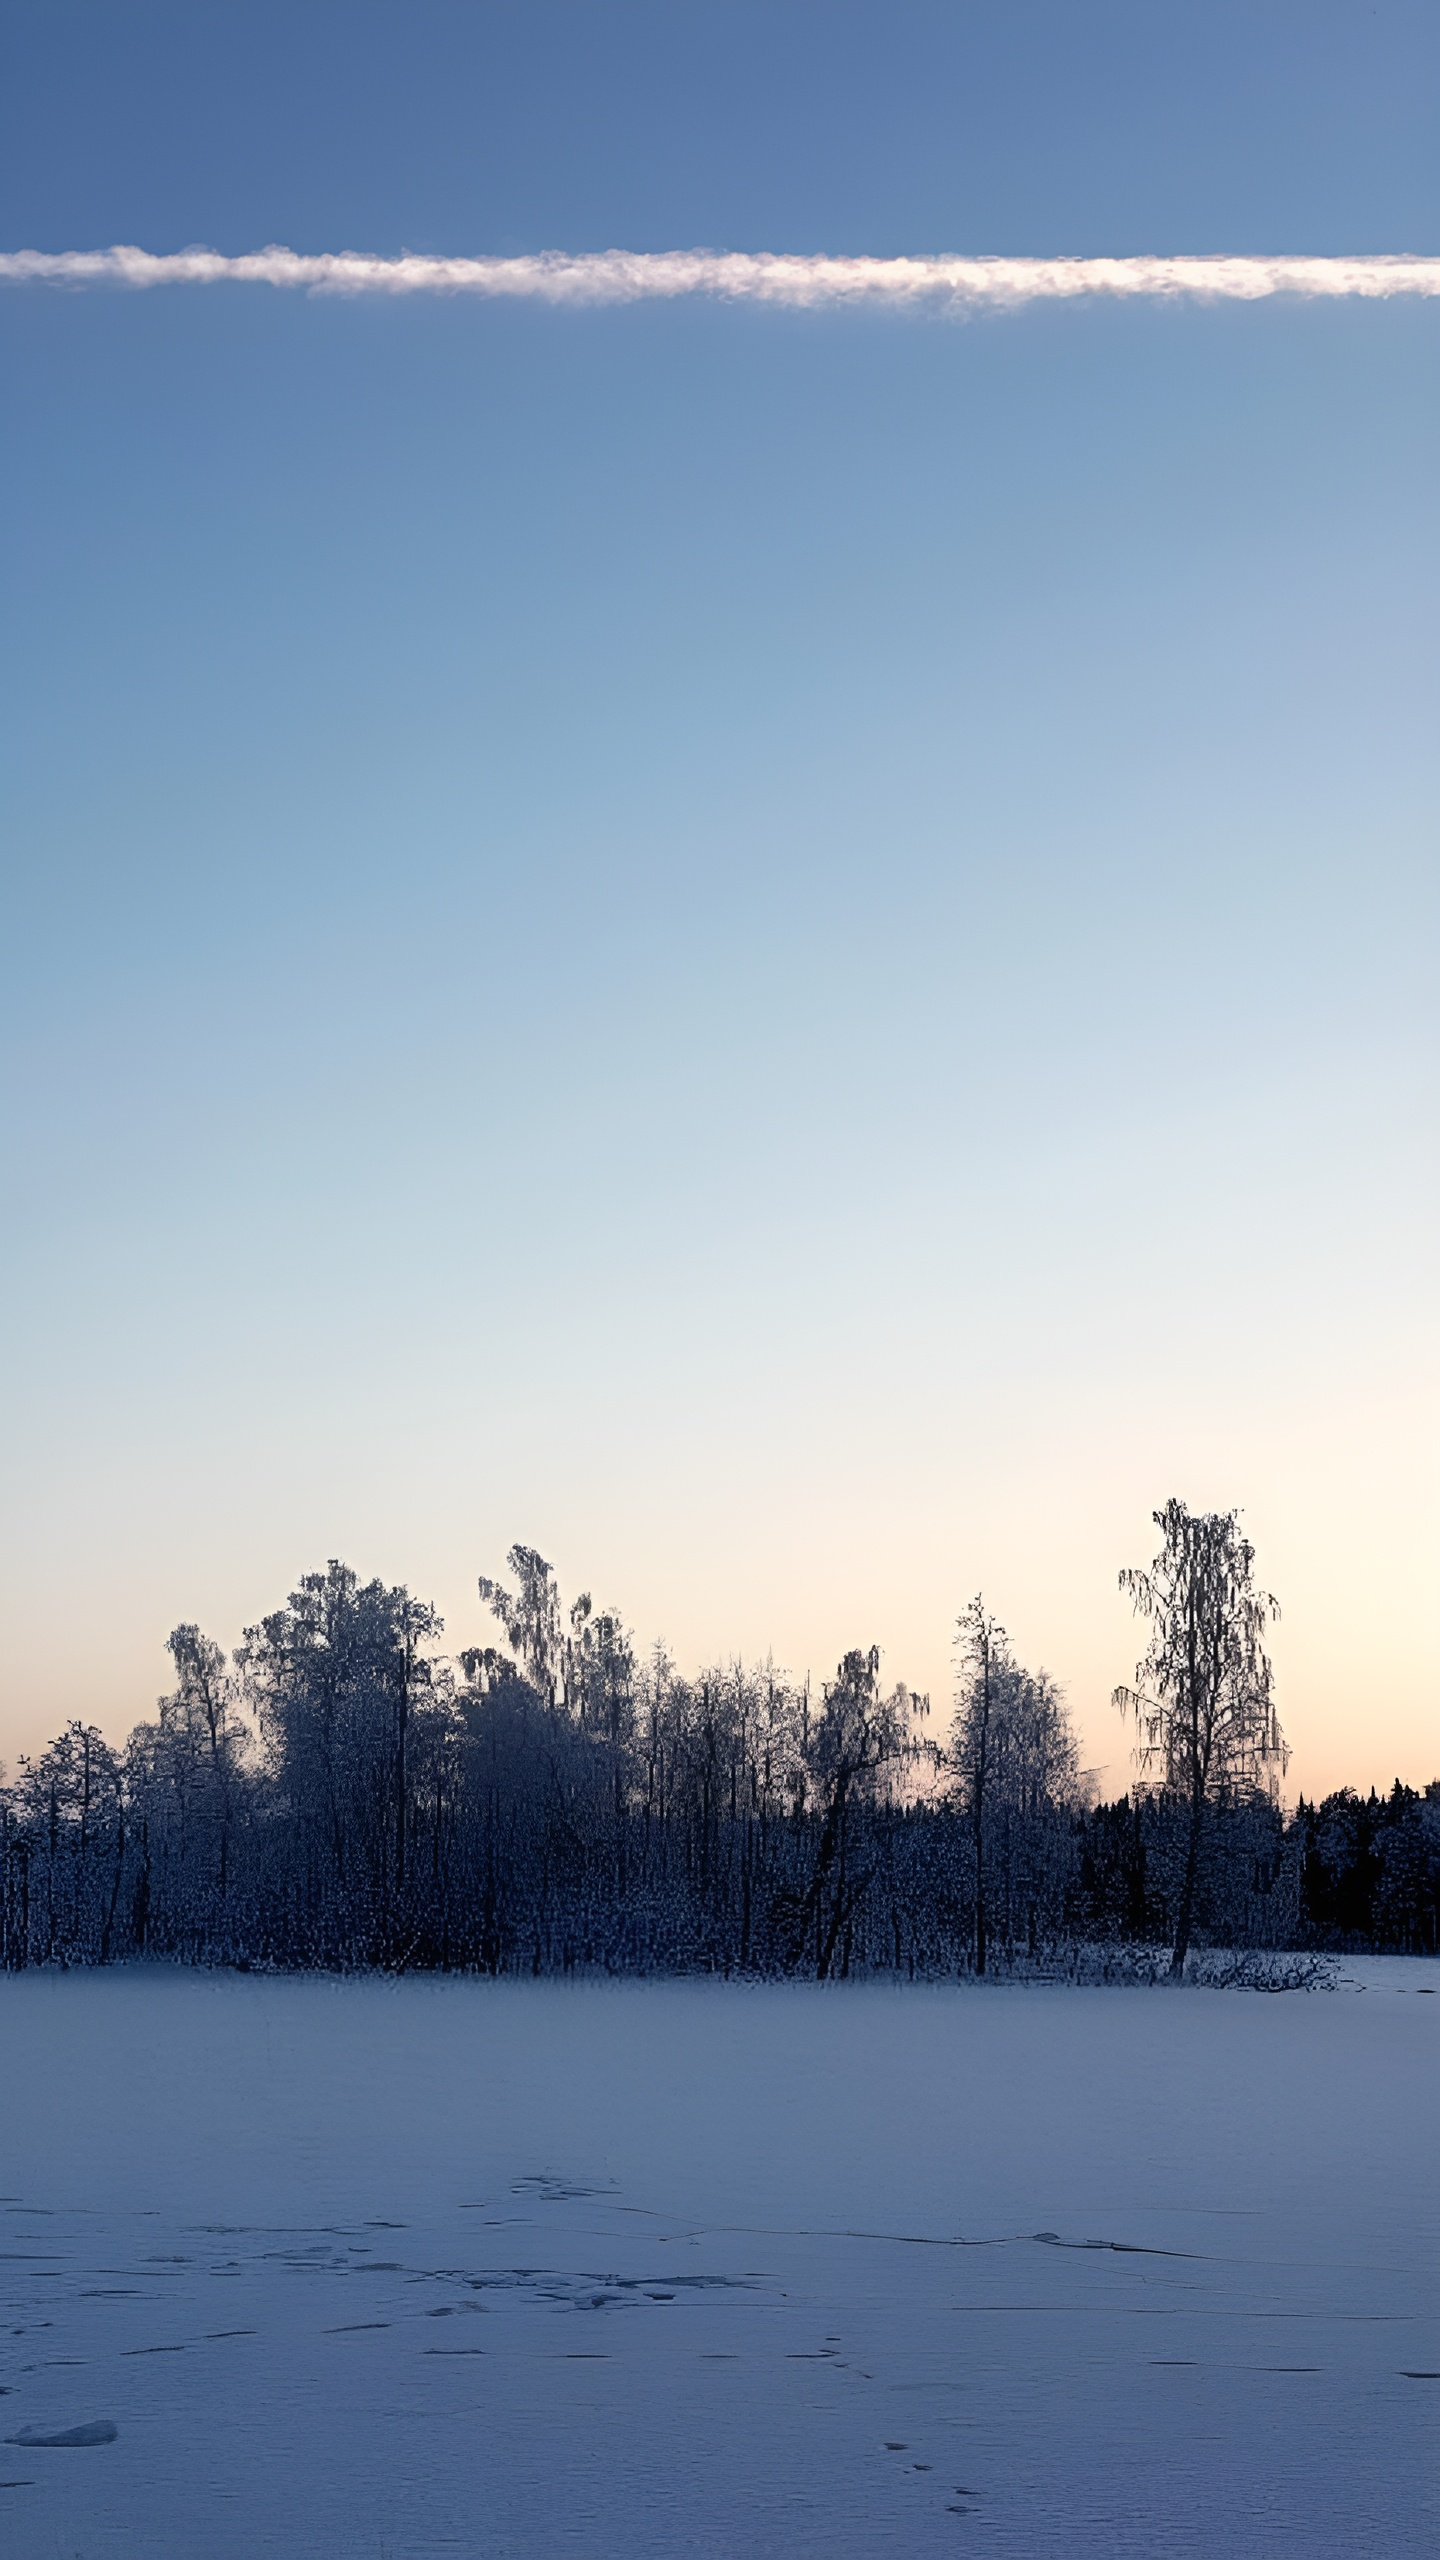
(791, 955)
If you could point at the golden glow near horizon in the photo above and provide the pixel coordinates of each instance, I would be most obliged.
(678, 908)
(774, 1565)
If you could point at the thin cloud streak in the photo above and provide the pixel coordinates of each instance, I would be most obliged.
(797, 283)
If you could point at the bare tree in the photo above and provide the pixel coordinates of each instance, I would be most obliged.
(337, 1678)
(860, 1743)
(414, 1624)
(199, 1720)
(986, 1666)
(579, 1808)
(1202, 1703)
(1032, 1792)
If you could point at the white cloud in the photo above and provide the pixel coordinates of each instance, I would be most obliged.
(802, 283)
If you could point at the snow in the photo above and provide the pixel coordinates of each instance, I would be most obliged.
(438, 2266)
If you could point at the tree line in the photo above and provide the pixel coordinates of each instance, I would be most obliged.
(341, 1793)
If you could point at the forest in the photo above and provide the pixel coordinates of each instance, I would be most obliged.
(341, 1794)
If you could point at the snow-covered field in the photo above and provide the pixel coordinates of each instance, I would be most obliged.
(425, 2267)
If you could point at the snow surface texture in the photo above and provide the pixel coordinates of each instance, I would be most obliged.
(371, 2268)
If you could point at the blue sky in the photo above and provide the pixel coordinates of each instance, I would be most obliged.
(790, 954)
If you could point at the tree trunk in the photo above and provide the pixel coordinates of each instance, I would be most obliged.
(402, 1773)
(1184, 1917)
(107, 1933)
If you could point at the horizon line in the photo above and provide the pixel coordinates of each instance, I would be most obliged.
(796, 281)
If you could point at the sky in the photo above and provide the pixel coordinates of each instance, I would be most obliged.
(789, 953)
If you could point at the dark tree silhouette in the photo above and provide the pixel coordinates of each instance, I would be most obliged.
(341, 1794)
(1202, 1701)
(986, 1666)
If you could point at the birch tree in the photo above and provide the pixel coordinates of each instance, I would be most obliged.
(1203, 1704)
(986, 1666)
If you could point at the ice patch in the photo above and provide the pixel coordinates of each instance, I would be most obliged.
(95, 2431)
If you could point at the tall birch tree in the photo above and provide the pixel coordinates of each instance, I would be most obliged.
(1203, 1700)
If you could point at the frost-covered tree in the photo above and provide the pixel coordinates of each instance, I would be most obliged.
(72, 1808)
(336, 1678)
(204, 1740)
(566, 1805)
(1034, 1794)
(987, 1668)
(861, 1743)
(1202, 1703)
(1013, 1751)
(533, 1622)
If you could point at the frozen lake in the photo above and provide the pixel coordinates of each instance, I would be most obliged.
(402, 2269)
